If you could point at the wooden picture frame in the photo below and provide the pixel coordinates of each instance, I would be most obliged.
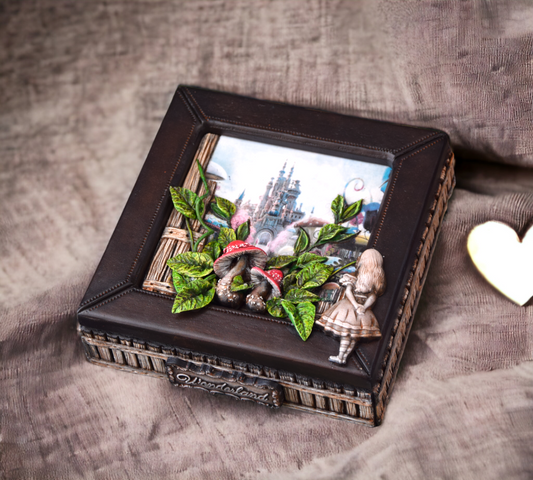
(125, 317)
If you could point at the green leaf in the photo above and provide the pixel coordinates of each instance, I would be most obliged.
(289, 281)
(298, 295)
(179, 280)
(302, 317)
(216, 211)
(197, 294)
(302, 242)
(227, 208)
(337, 207)
(341, 237)
(243, 230)
(184, 201)
(307, 312)
(327, 232)
(226, 236)
(352, 211)
(211, 278)
(281, 261)
(191, 264)
(290, 310)
(213, 249)
(313, 275)
(275, 309)
(308, 258)
(237, 284)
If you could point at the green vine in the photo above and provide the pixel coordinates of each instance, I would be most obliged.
(199, 207)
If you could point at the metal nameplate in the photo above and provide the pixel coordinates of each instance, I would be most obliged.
(182, 373)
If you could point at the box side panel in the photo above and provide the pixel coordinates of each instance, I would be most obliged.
(415, 182)
(413, 290)
(303, 393)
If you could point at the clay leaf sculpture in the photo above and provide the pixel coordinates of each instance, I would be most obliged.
(351, 318)
(313, 275)
(195, 288)
(302, 316)
(511, 270)
(192, 264)
(243, 230)
(226, 236)
(223, 209)
(213, 249)
(343, 212)
(238, 284)
(193, 294)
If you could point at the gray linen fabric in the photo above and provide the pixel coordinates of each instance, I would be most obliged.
(83, 89)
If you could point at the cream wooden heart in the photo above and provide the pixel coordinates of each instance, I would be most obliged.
(504, 260)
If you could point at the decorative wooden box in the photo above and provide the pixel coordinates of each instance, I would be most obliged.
(403, 176)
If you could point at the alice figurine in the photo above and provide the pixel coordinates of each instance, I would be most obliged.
(351, 317)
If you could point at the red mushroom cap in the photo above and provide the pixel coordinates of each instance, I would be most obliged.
(274, 277)
(235, 249)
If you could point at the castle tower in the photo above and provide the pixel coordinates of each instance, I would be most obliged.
(238, 202)
(288, 181)
(293, 192)
(280, 182)
(277, 207)
(260, 208)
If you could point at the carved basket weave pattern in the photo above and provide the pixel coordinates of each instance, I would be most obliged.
(301, 393)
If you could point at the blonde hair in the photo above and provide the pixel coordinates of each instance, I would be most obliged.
(370, 274)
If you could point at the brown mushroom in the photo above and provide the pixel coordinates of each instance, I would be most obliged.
(267, 286)
(238, 257)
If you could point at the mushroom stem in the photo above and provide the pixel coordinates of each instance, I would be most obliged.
(262, 290)
(237, 269)
(256, 300)
(223, 288)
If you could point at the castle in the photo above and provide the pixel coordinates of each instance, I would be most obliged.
(277, 208)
